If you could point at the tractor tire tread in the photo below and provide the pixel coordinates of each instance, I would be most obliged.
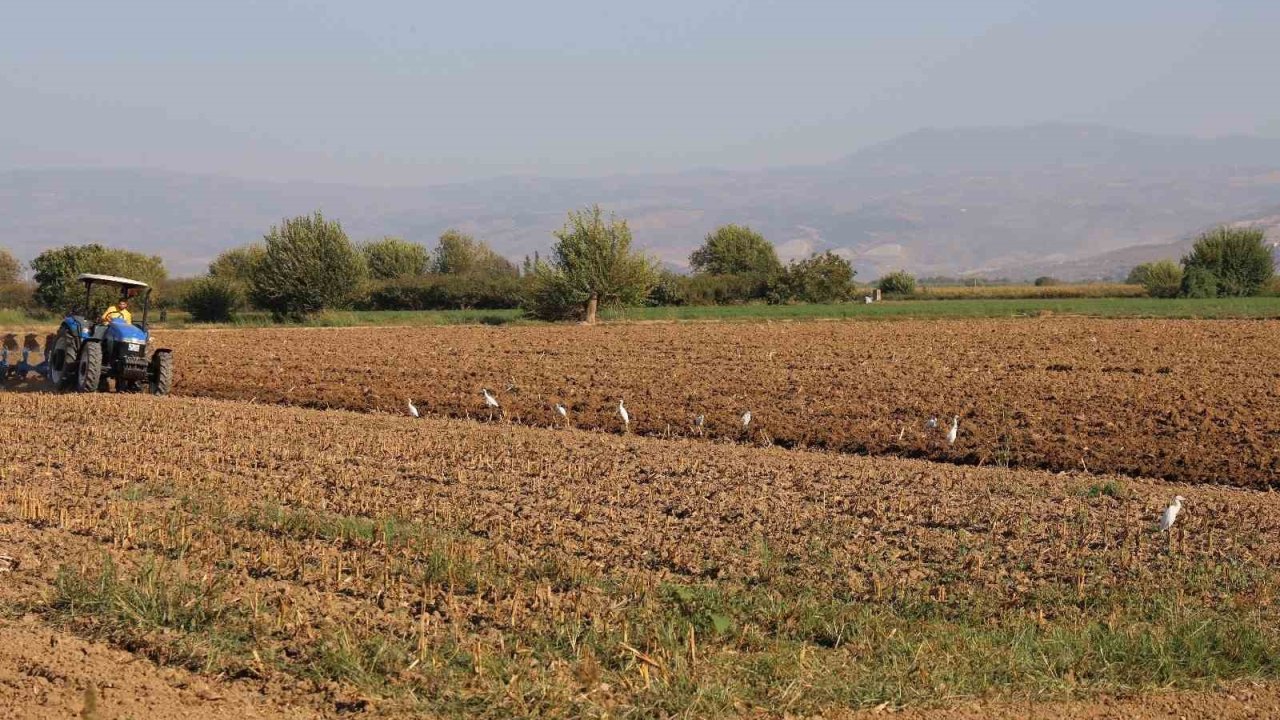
(89, 374)
(162, 383)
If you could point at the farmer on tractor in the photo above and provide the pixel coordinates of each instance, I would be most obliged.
(92, 351)
(119, 310)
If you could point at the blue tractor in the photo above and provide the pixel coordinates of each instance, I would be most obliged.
(90, 351)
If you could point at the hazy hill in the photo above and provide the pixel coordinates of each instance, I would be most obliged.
(1117, 263)
(1001, 201)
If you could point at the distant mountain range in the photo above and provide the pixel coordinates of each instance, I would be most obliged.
(1068, 200)
(1116, 263)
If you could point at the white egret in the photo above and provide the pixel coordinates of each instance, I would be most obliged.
(955, 430)
(413, 409)
(490, 401)
(1171, 513)
(746, 419)
(562, 411)
(626, 416)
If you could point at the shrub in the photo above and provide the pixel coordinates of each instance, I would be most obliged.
(391, 257)
(1046, 281)
(1199, 282)
(551, 297)
(1272, 287)
(1138, 275)
(669, 290)
(460, 254)
(445, 292)
(825, 278)
(1238, 259)
(675, 289)
(309, 265)
(897, 282)
(484, 292)
(213, 299)
(1161, 279)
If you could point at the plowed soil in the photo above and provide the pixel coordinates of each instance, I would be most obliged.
(1186, 400)
(46, 673)
(355, 563)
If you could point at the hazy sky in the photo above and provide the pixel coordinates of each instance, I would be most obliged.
(409, 92)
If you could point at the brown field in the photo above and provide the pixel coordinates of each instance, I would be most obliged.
(292, 545)
(1186, 400)
(346, 563)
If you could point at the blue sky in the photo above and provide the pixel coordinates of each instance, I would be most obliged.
(402, 92)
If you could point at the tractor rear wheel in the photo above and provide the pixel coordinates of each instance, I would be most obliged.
(162, 372)
(90, 367)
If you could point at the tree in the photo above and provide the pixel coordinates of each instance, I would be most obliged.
(10, 268)
(460, 254)
(1046, 281)
(309, 265)
(236, 264)
(391, 258)
(14, 293)
(235, 267)
(56, 270)
(735, 250)
(1138, 275)
(592, 263)
(898, 282)
(1237, 258)
(824, 278)
(213, 299)
(1161, 279)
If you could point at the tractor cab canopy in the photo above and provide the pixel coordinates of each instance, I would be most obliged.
(128, 289)
(126, 283)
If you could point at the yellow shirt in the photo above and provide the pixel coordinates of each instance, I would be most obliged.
(113, 312)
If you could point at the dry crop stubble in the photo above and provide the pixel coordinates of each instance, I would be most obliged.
(1185, 400)
(496, 569)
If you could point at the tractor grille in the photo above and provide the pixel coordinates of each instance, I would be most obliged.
(133, 368)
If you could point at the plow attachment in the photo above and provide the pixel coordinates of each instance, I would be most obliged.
(24, 366)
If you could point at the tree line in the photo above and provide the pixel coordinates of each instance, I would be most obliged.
(1223, 262)
(308, 264)
(53, 285)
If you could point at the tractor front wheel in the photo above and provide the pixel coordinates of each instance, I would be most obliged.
(90, 368)
(161, 372)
